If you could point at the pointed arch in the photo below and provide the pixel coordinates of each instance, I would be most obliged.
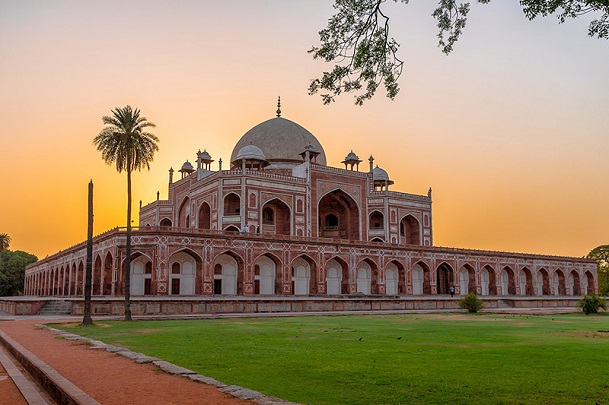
(304, 275)
(589, 280)
(395, 278)
(228, 273)
(57, 281)
(367, 277)
(231, 228)
(184, 213)
(526, 282)
(467, 280)
(65, 288)
(488, 280)
(276, 217)
(166, 222)
(96, 280)
(204, 220)
(183, 269)
(444, 278)
(267, 274)
(573, 283)
(232, 204)
(107, 275)
(80, 287)
(73, 280)
(377, 240)
(543, 282)
(559, 283)
(376, 220)
(338, 216)
(141, 274)
(410, 230)
(421, 278)
(337, 276)
(508, 282)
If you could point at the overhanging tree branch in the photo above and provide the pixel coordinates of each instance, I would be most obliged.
(357, 41)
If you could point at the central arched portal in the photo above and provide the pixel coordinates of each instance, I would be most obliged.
(338, 216)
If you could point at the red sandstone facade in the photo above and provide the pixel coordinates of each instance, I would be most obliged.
(281, 222)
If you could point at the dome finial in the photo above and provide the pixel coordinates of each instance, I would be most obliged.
(278, 106)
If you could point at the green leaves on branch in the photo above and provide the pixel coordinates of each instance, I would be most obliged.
(125, 142)
(357, 39)
(564, 9)
(451, 17)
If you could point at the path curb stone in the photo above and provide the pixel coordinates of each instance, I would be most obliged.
(234, 390)
(57, 386)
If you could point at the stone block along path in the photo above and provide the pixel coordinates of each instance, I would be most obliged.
(106, 377)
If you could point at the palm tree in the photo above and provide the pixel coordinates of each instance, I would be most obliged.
(5, 241)
(125, 142)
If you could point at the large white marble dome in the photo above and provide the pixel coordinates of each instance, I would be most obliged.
(282, 141)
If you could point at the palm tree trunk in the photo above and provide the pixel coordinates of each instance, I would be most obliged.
(86, 320)
(128, 258)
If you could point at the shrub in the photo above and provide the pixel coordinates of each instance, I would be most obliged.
(591, 303)
(471, 302)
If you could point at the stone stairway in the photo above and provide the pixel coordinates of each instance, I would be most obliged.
(56, 307)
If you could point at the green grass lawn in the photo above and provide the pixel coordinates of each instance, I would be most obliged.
(388, 359)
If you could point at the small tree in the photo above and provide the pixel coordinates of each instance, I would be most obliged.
(591, 303)
(471, 302)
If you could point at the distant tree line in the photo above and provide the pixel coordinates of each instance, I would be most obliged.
(12, 267)
(601, 255)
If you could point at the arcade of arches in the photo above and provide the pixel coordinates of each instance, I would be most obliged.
(270, 274)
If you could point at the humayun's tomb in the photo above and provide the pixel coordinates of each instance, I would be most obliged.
(278, 229)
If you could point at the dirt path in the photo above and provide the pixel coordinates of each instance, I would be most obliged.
(107, 377)
(10, 392)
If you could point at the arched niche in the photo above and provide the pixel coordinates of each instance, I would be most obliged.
(338, 216)
(204, 216)
(410, 230)
(276, 217)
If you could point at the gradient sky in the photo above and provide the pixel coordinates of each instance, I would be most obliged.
(511, 130)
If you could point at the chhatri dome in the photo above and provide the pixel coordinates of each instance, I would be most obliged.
(281, 142)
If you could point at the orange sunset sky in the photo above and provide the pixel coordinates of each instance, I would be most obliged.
(511, 130)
